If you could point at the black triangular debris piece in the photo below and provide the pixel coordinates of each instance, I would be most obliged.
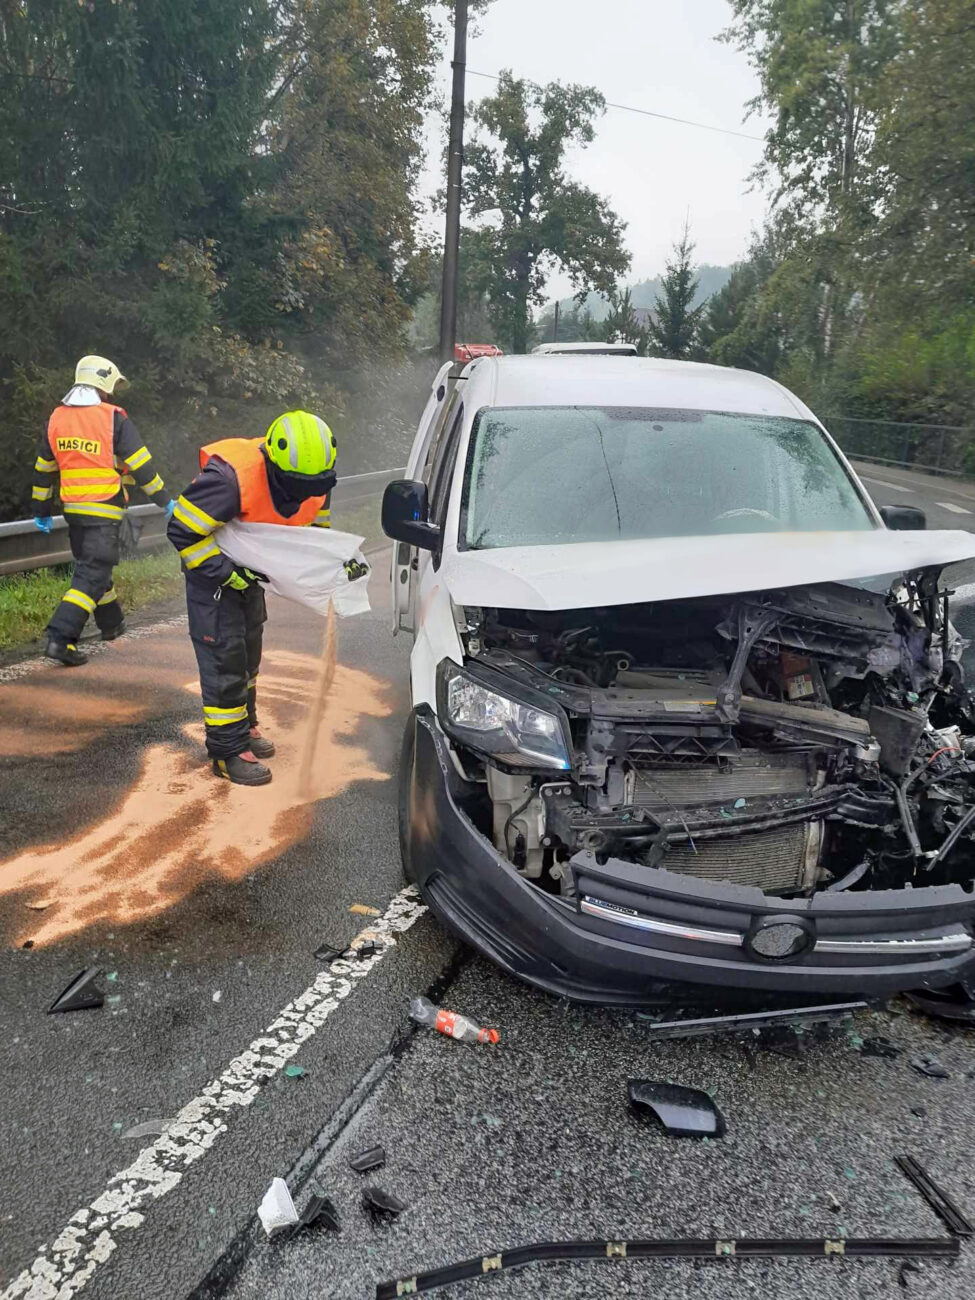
(381, 1204)
(325, 952)
(683, 1112)
(319, 1210)
(371, 1158)
(82, 994)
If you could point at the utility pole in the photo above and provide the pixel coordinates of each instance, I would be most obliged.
(455, 162)
(555, 323)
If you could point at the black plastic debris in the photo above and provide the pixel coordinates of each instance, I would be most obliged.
(931, 1066)
(908, 1267)
(661, 1030)
(368, 948)
(611, 1252)
(683, 1112)
(82, 994)
(370, 1158)
(950, 1214)
(325, 952)
(952, 1004)
(920, 1111)
(879, 1046)
(27, 944)
(382, 1205)
(319, 1212)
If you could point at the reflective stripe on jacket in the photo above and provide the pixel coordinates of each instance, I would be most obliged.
(246, 458)
(82, 441)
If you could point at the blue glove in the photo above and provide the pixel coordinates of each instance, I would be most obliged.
(44, 522)
(169, 508)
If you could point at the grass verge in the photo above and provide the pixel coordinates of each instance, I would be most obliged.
(27, 600)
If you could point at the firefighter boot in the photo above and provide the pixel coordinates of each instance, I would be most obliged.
(113, 633)
(65, 652)
(261, 747)
(242, 769)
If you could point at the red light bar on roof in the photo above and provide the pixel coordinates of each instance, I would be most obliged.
(471, 351)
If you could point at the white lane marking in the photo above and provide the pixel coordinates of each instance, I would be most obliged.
(955, 510)
(65, 1265)
(882, 482)
(24, 667)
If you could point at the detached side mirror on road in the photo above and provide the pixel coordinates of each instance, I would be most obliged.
(903, 518)
(406, 514)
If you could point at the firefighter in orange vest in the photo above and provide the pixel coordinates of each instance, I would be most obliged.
(91, 443)
(285, 477)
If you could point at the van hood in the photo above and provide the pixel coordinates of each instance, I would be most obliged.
(585, 575)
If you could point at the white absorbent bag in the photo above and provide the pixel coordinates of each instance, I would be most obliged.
(312, 566)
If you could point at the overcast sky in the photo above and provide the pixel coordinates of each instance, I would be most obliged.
(660, 55)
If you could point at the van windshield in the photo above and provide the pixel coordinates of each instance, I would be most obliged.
(538, 476)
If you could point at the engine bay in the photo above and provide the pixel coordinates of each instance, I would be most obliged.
(813, 737)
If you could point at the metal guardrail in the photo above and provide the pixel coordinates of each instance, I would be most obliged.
(24, 547)
(934, 448)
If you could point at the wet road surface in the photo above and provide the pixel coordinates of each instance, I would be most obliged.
(204, 904)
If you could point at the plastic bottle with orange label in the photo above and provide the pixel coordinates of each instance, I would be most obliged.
(450, 1023)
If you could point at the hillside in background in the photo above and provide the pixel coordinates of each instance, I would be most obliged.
(644, 292)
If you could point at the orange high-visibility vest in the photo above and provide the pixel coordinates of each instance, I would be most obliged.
(245, 457)
(82, 442)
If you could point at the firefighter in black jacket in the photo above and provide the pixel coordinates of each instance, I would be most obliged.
(284, 478)
(93, 445)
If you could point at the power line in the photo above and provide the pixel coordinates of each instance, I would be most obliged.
(644, 112)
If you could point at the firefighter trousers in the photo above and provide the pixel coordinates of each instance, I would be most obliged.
(227, 629)
(95, 548)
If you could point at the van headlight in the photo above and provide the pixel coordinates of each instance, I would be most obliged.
(477, 711)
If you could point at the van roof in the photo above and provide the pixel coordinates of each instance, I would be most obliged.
(625, 381)
(585, 348)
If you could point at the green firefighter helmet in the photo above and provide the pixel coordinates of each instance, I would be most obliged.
(300, 443)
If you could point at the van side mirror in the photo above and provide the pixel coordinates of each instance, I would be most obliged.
(903, 518)
(406, 514)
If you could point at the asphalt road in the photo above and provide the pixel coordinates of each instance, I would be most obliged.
(948, 502)
(203, 905)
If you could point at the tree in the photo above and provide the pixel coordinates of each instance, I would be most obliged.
(673, 328)
(221, 196)
(348, 122)
(474, 322)
(860, 295)
(743, 324)
(535, 218)
(922, 249)
(622, 324)
(819, 64)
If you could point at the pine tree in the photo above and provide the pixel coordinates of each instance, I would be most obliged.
(622, 325)
(675, 324)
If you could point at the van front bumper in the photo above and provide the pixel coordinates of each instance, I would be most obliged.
(634, 931)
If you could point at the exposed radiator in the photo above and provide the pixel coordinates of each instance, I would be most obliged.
(772, 860)
(750, 775)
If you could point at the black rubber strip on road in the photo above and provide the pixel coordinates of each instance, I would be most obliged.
(659, 1030)
(744, 1248)
(944, 1207)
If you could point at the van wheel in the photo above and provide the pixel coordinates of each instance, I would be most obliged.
(405, 780)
